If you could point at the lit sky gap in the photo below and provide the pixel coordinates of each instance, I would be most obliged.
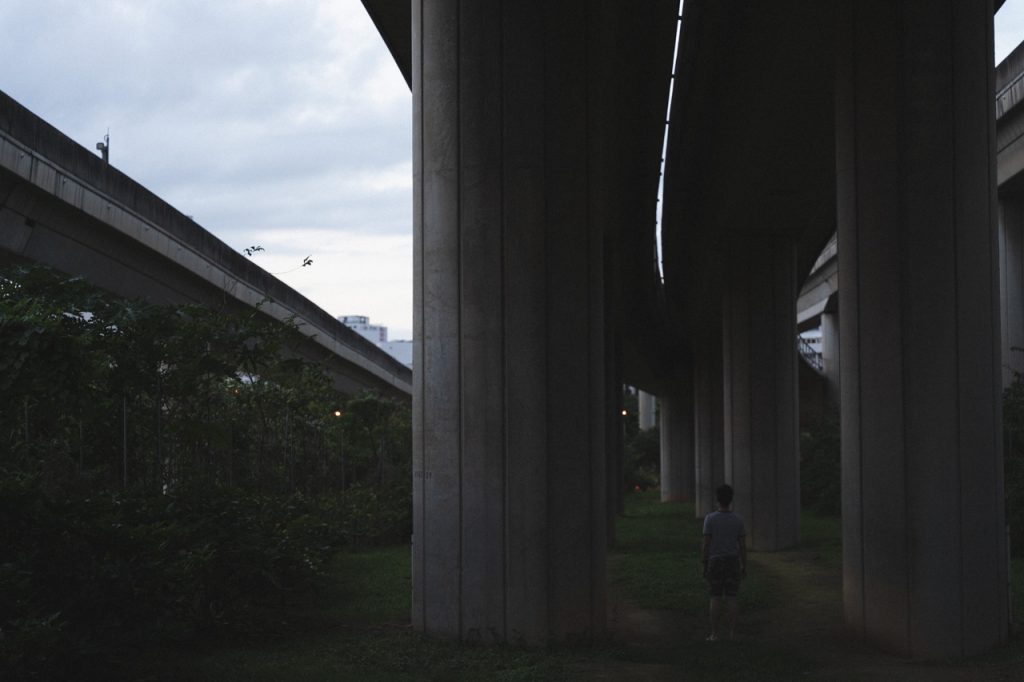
(664, 141)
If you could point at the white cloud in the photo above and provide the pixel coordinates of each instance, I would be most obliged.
(1009, 28)
(260, 118)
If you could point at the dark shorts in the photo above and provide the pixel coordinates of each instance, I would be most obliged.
(724, 575)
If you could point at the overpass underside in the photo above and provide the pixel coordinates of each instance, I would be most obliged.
(538, 135)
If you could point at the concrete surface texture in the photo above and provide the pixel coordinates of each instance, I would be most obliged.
(786, 119)
(677, 443)
(923, 522)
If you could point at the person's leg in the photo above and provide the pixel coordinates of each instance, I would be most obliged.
(733, 607)
(716, 617)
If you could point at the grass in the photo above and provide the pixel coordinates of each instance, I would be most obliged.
(357, 628)
(656, 559)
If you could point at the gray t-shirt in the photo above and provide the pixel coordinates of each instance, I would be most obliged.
(725, 529)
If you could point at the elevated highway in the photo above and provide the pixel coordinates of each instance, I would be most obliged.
(62, 206)
(538, 138)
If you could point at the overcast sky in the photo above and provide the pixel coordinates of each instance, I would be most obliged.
(278, 123)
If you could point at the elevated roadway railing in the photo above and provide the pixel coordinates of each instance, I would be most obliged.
(62, 206)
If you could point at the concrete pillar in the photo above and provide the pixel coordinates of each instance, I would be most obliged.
(647, 409)
(677, 440)
(708, 426)
(830, 354)
(1011, 286)
(924, 544)
(509, 427)
(759, 356)
(615, 445)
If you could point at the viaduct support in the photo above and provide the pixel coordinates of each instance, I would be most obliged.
(924, 550)
(509, 399)
(709, 445)
(647, 410)
(830, 355)
(677, 444)
(760, 393)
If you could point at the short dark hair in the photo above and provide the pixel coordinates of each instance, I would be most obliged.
(724, 494)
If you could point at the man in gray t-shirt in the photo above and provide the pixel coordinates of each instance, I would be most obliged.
(724, 554)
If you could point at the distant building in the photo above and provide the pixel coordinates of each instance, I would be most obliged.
(361, 323)
(378, 334)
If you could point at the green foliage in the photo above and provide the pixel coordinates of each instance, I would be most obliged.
(94, 574)
(171, 470)
(656, 559)
(643, 460)
(820, 469)
(1013, 424)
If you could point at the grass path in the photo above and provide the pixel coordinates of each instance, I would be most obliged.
(790, 625)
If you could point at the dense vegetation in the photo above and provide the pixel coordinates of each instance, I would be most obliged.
(166, 471)
(1013, 421)
(820, 471)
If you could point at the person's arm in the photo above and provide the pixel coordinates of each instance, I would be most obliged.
(704, 552)
(742, 540)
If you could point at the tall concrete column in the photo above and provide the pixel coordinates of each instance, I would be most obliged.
(708, 426)
(830, 354)
(924, 549)
(677, 441)
(1011, 286)
(509, 427)
(759, 356)
(615, 445)
(648, 411)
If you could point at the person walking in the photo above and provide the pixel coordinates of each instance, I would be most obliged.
(724, 553)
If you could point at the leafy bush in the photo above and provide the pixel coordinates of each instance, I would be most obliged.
(1013, 423)
(167, 471)
(643, 459)
(820, 469)
(85, 577)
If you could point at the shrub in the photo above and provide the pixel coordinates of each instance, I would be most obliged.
(820, 469)
(1013, 423)
(643, 459)
(80, 579)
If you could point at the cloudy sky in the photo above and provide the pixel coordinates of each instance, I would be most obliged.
(278, 123)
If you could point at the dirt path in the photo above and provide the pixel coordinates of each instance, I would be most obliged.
(798, 636)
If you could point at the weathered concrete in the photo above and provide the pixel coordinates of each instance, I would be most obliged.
(924, 547)
(759, 359)
(830, 355)
(510, 423)
(677, 442)
(646, 404)
(708, 425)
